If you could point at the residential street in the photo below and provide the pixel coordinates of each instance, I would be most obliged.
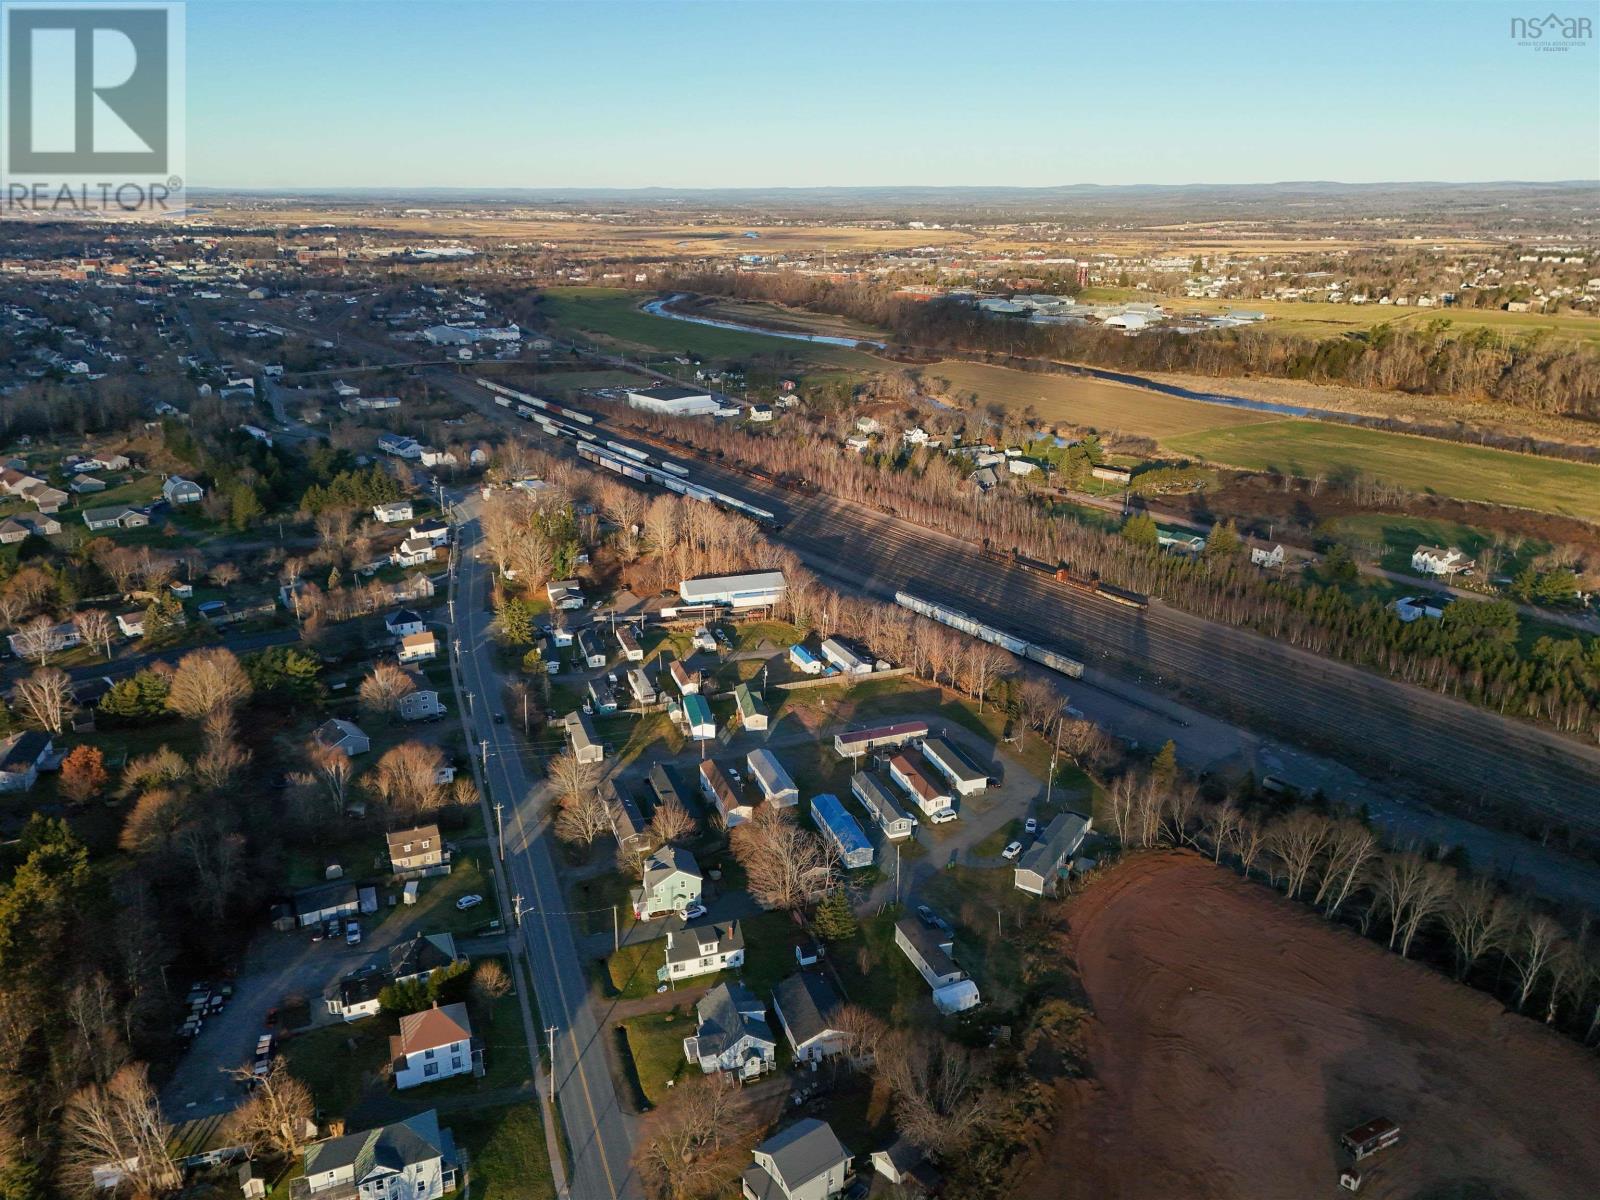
(599, 1132)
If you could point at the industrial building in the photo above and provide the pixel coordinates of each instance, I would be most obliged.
(755, 590)
(671, 398)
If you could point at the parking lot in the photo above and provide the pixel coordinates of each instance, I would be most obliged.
(281, 966)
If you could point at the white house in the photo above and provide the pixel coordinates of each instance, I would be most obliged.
(1041, 865)
(894, 821)
(403, 622)
(924, 793)
(432, 1045)
(117, 516)
(731, 1033)
(412, 1159)
(1436, 560)
(703, 950)
(413, 552)
(719, 791)
(565, 593)
(952, 764)
(586, 744)
(437, 532)
(391, 511)
(400, 447)
(803, 1161)
(671, 882)
(418, 647)
(178, 490)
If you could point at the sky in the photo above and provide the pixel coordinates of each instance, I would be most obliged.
(788, 93)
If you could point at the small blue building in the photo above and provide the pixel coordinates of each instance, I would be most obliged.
(842, 830)
(804, 661)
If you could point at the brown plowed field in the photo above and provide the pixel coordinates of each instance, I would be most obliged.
(1235, 1035)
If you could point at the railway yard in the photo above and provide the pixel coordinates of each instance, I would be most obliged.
(1429, 745)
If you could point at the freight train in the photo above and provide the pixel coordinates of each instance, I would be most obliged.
(1064, 574)
(1019, 646)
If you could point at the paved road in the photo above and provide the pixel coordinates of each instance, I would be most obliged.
(599, 1133)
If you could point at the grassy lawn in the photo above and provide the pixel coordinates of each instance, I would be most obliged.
(1309, 448)
(882, 980)
(655, 1043)
(336, 1060)
(631, 971)
(768, 959)
(997, 841)
(1394, 537)
(436, 908)
(987, 911)
(506, 1148)
(592, 901)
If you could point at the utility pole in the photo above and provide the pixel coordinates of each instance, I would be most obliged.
(500, 829)
(1055, 752)
(550, 1032)
(516, 908)
(483, 750)
(616, 937)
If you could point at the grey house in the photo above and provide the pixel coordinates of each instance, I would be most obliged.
(804, 1161)
(1041, 864)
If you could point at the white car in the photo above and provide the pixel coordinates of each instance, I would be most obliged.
(694, 912)
(943, 815)
(469, 901)
(1031, 825)
(1011, 851)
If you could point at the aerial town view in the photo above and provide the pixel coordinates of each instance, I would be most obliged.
(713, 601)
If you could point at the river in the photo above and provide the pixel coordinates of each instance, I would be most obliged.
(658, 308)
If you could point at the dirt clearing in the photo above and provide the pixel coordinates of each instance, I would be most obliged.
(1235, 1036)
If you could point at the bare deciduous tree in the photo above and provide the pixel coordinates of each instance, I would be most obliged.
(1410, 890)
(584, 818)
(939, 1100)
(38, 639)
(1479, 920)
(571, 778)
(489, 984)
(671, 822)
(695, 1151)
(119, 1123)
(276, 1117)
(406, 778)
(1351, 846)
(382, 691)
(1536, 943)
(785, 866)
(207, 680)
(333, 770)
(46, 698)
(97, 628)
(225, 575)
(1297, 841)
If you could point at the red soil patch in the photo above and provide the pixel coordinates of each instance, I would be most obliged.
(1235, 1035)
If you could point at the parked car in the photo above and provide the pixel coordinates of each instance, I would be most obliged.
(1031, 825)
(499, 718)
(352, 933)
(694, 912)
(925, 915)
(332, 929)
(1011, 851)
(471, 900)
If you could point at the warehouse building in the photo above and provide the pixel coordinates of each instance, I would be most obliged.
(756, 590)
(671, 398)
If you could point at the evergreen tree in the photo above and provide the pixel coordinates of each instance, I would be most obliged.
(1140, 529)
(834, 920)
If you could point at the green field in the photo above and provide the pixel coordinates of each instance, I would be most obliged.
(1398, 536)
(506, 1147)
(1309, 448)
(614, 313)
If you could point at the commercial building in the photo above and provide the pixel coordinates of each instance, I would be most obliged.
(755, 590)
(670, 398)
